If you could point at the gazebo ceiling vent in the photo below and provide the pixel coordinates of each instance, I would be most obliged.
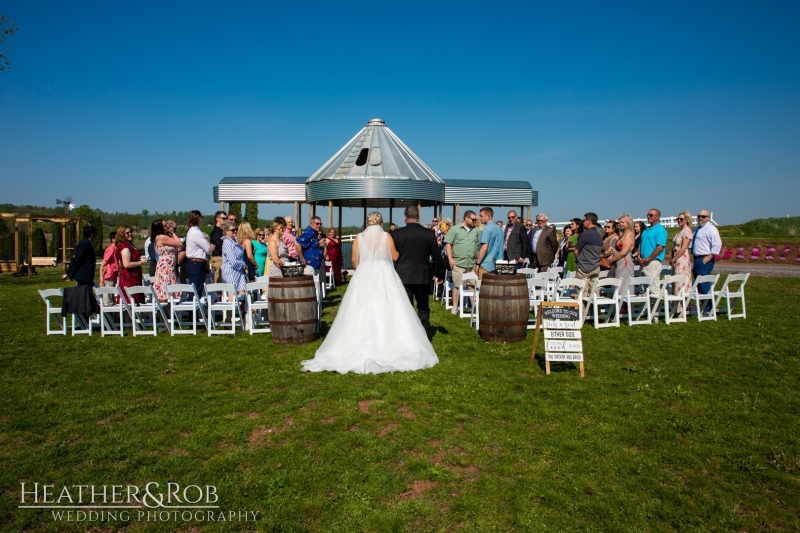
(375, 164)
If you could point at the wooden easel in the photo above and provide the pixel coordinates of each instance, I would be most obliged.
(539, 326)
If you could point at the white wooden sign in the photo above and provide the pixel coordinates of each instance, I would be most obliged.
(561, 324)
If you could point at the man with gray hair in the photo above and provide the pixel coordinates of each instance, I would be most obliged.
(706, 244)
(309, 245)
(290, 238)
(543, 244)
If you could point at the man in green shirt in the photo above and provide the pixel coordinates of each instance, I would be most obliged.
(461, 244)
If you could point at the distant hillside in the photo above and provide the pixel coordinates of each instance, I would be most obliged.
(764, 228)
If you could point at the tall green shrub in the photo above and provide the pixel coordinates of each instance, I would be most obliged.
(252, 214)
(235, 209)
(39, 243)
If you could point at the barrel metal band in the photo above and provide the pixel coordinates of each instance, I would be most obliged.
(510, 297)
(292, 300)
(282, 323)
(492, 323)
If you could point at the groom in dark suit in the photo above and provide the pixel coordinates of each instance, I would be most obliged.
(416, 246)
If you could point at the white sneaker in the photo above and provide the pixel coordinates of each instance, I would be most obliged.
(454, 310)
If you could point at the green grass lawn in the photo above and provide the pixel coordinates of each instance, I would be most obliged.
(682, 427)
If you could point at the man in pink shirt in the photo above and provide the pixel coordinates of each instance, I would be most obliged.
(290, 238)
(109, 268)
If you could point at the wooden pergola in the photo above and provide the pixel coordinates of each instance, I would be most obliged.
(19, 220)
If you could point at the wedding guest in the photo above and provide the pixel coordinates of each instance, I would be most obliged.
(638, 228)
(81, 268)
(167, 246)
(198, 250)
(566, 250)
(245, 238)
(654, 241)
(610, 239)
(681, 262)
(290, 237)
(130, 272)
(309, 245)
(278, 249)
(622, 260)
(109, 268)
(260, 251)
(333, 253)
(233, 259)
(220, 218)
(150, 253)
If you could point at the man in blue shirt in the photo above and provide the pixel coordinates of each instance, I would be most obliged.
(309, 244)
(491, 244)
(651, 250)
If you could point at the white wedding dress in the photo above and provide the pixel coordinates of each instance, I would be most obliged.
(376, 328)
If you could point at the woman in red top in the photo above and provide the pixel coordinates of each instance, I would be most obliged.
(130, 269)
(333, 253)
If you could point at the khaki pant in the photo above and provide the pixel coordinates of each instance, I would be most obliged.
(482, 271)
(109, 299)
(216, 267)
(591, 278)
(653, 270)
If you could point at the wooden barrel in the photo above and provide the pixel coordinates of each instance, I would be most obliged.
(293, 310)
(503, 307)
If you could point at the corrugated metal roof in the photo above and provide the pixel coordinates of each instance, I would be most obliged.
(353, 192)
(489, 184)
(375, 153)
(262, 179)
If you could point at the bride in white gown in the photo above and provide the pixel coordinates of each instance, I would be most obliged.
(376, 329)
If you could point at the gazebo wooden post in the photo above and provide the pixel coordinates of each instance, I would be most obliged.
(419, 210)
(310, 212)
(297, 220)
(456, 214)
(364, 201)
(527, 211)
(330, 214)
(63, 246)
(391, 208)
(30, 247)
(16, 246)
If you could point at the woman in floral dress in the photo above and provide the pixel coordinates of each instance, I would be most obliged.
(167, 246)
(681, 263)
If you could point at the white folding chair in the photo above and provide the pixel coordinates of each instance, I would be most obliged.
(673, 300)
(537, 287)
(258, 307)
(603, 274)
(636, 297)
(112, 317)
(571, 274)
(144, 317)
(465, 291)
(571, 290)
(527, 272)
(557, 269)
(474, 318)
(552, 282)
(604, 301)
(329, 281)
(666, 270)
(217, 295)
(731, 292)
(700, 300)
(448, 285)
(53, 311)
(184, 300)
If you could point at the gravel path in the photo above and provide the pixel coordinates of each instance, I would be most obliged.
(770, 271)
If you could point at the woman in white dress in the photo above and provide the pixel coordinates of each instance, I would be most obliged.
(376, 329)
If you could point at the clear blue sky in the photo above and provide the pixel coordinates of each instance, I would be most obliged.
(602, 106)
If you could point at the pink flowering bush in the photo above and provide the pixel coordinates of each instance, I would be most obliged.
(755, 253)
(740, 254)
(728, 253)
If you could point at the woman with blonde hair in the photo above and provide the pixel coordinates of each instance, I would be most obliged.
(376, 329)
(622, 258)
(278, 252)
(681, 261)
(245, 237)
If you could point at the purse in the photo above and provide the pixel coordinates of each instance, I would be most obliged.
(605, 263)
